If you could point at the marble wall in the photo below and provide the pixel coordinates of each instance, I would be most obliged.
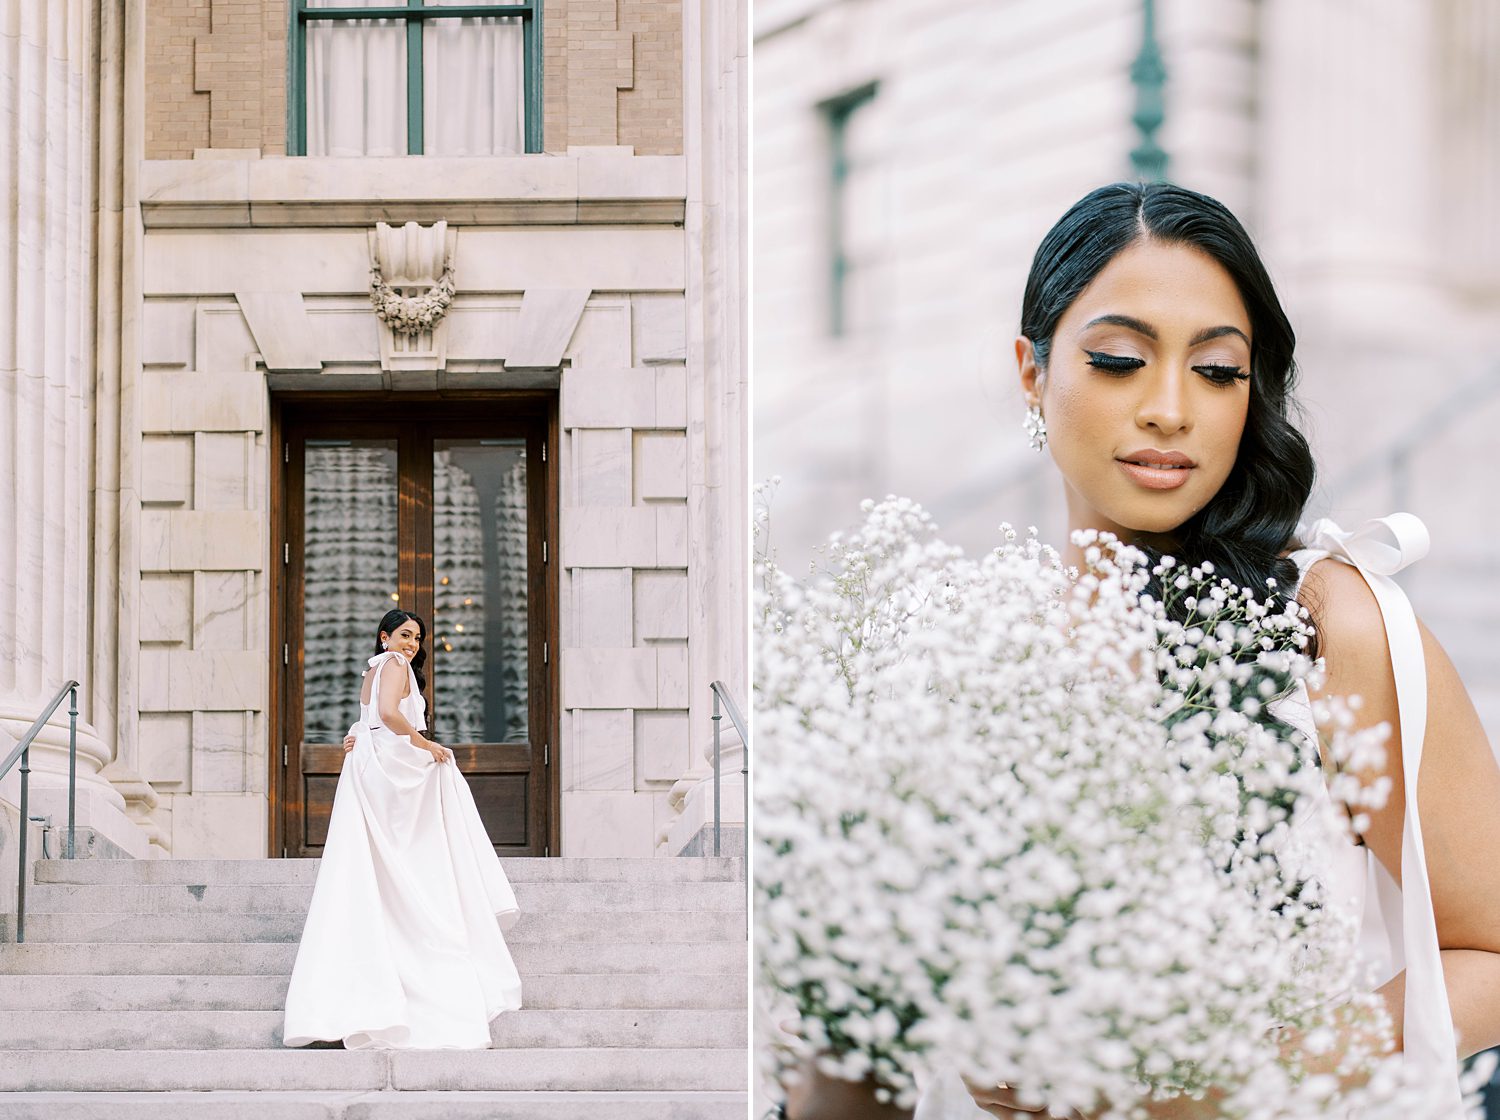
(618, 357)
(156, 305)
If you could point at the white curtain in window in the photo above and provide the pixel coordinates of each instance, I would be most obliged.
(356, 85)
(473, 101)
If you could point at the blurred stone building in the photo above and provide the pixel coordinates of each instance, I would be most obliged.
(903, 182)
(308, 315)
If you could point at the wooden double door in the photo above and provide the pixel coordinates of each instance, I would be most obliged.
(442, 511)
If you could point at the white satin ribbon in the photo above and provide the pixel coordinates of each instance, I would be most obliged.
(1379, 549)
(1383, 545)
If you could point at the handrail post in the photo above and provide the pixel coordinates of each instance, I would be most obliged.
(72, 761)
(25, 828)
(716, 717)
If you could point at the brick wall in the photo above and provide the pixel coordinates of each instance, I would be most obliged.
(216, 75)
(176, 113)
(613, 74)
(650, 112)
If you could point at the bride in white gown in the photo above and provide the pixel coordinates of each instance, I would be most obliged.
(403, 945)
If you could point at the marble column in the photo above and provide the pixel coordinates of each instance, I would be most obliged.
(1348, 143)
(49, 122)
(1469, 106)
(715, 141)
(1351, 203)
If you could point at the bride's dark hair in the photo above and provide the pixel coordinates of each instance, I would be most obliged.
(390, 623)
(1246, 525)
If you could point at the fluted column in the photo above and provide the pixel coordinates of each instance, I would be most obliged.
(48, 138)
(1348, 143)
(1468, 50)
(715, 138)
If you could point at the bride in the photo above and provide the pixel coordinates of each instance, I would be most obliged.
(402, 948)
(1157, 365)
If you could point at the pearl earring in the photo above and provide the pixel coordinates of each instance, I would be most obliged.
(385, 645)
(1035, 427)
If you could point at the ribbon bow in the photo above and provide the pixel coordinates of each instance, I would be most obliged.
(1381, 548)
(1383, 545)
(388, 653)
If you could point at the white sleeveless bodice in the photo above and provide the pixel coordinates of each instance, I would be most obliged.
(411, 705)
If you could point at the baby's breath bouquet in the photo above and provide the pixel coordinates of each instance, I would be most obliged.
(1031, 826)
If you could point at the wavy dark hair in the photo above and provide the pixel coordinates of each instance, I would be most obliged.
(1246, 525)
(392, 621)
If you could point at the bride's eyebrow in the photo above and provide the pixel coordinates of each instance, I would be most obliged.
(1140, 326)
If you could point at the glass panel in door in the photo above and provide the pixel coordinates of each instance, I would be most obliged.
(480, 601)
(350, 574)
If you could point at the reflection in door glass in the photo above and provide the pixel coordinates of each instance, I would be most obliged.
(479, 589)
(349, 574)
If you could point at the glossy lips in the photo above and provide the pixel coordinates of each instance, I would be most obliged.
(1156, 470)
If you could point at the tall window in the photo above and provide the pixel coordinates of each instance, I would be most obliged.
(858, 213)
(414, 77)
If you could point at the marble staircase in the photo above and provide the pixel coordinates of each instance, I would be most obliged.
(155, 988)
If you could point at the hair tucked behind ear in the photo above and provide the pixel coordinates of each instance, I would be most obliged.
(1253, 517)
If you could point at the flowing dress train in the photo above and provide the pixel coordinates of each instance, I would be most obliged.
(403, 945)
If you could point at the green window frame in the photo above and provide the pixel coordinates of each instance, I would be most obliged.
(836, 114)
(416, 13)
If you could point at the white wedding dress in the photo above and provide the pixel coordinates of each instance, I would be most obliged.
(1397, 927)
(403, 945)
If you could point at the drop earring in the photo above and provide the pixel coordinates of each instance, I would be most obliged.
(1036, 427)
(385, 645)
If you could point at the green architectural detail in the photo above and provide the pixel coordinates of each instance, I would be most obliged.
(1148, 74)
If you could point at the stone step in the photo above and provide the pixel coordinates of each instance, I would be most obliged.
(590, 927)
(225, 871)
(704, 992)
(228, 958)
(558, 898)
(695, 1070)
(378, 1105)
(249, 1030)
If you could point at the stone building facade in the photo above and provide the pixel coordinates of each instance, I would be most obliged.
(909, 176)
(227, 466)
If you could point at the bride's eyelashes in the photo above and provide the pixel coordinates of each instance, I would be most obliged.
(1113, 363)
(1119, 366)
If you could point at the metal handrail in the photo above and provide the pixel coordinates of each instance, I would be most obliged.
(721, 696)
(22, 750)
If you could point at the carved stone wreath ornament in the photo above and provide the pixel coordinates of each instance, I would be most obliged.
(411, 315)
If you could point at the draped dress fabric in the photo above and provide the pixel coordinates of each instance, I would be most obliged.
(403, 946)
(1396, 927)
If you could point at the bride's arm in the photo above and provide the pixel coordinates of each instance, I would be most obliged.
(392, 681)
(1458, 793)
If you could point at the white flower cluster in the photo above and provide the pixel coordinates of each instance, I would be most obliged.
(1030, 825)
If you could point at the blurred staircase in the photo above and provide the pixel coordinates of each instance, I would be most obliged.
(156, 987)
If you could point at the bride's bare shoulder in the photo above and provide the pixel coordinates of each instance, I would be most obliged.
(1351, 629)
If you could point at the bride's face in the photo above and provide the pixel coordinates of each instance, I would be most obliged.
(1149, 368)
(406, 639)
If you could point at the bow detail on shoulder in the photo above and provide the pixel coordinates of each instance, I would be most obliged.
(1383, 545)
(388, 653)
